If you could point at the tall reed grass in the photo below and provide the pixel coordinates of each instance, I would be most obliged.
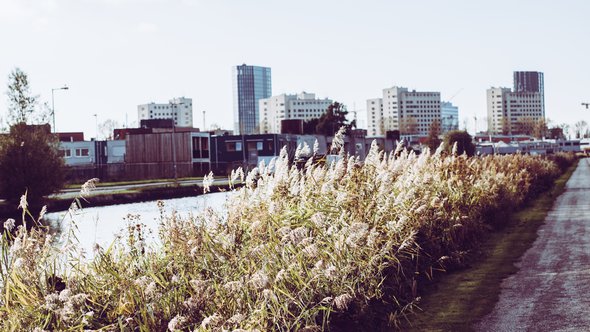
(319, 247)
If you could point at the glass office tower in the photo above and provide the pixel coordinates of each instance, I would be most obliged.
(250, 84)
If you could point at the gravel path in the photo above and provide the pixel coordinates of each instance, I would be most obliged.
(551, 291)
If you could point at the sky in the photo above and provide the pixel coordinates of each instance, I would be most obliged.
(116, 54)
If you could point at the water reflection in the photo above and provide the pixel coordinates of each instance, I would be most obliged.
(102, 224)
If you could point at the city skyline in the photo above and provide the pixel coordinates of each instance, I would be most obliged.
(166, 49)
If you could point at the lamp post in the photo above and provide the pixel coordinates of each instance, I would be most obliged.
(204, 123)
(96, 122)
(65, 87)
(172, 106)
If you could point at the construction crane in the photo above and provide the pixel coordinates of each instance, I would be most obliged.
(586, 104)
(455, 94)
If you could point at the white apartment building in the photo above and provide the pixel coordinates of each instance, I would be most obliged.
(178, 109)
(513, 113)
(410, 112)
(302, 106)
(375, 123)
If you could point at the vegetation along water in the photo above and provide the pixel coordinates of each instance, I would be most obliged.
(340, 246)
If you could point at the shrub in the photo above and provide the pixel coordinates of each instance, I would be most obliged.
(30, 162)
(462, 140)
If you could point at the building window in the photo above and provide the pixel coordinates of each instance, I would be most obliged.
(233, 146)
(65, 153)
(200, 147)
(82, 152)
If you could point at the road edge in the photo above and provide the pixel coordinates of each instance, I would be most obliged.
(460, 299)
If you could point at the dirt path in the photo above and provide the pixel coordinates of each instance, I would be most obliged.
(551, 291)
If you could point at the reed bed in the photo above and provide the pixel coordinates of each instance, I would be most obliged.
(318, 247)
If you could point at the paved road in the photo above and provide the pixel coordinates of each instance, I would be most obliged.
(551, 291)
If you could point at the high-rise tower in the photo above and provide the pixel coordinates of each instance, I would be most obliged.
(250, 84)
(530, 81)
(517, 112)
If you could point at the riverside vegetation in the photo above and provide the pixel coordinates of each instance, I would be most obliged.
(340, 246)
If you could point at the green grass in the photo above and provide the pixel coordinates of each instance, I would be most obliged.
(460, 299)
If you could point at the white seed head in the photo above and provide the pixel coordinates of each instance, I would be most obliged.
(207, 182)
(176, 323)
(88, 186)
(9, 224)
(341, 302)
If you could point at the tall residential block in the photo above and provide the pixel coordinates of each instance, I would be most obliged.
(302, 106)
(410, 112)
(250, 84)
(517, 111)
(178, 109)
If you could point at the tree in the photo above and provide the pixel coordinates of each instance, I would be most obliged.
(525, 126)
(21, 103)
(556, 133)
(29, 155)
(580, 128)
(464, 142)
(107, 128)
(30, 162)
(329, 123)
(409, 125)
(505, 126)
(310, 125)
(433, 140)
(540, 128)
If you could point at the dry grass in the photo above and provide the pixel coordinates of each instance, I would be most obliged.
(460, 299)
(337, 246)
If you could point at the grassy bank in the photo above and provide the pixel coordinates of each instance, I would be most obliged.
(460, 299)
(124, 183)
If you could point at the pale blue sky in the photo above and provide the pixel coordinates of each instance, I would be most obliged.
(116, 54)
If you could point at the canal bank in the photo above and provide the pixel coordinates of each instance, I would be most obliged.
(142, 194)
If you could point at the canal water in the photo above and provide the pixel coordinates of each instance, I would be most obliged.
(101, 225)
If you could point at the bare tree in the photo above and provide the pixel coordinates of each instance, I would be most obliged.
(580, 128)
(525, 126)
(409, 125)
(566, 129)
(107, 128)
(506, 130)
(540, 128)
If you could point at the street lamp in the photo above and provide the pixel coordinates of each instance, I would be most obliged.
(96, 121)
(174, 105)
(65, 87)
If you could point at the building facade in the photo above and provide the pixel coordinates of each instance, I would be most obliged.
(410, 112)
(167, 153)
(375, 123)
(449, 114)
(302, 106)
(517, 111)
(178, 109)
(250, 84)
